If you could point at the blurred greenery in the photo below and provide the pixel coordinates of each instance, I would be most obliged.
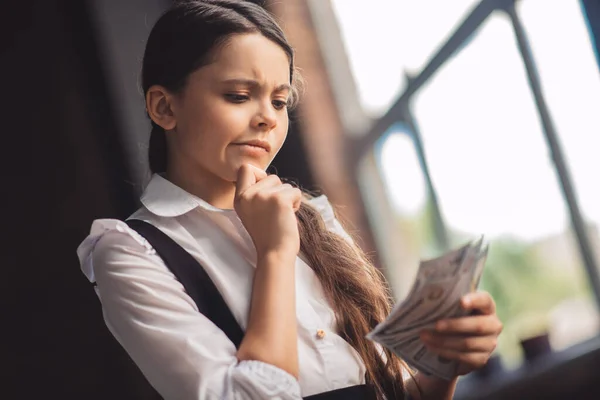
(526, 288)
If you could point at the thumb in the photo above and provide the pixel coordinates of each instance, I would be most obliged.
(247, 176)
(297, 202)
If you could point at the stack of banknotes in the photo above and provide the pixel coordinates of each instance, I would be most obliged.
(436, 292)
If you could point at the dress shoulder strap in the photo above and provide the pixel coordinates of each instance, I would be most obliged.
(193, 277)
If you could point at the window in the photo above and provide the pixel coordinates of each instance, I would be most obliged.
(493, 174)
(571, 84)
(380, 41)
(485, 152)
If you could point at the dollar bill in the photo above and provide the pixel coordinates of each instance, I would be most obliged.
(435, 295)
(429, 277)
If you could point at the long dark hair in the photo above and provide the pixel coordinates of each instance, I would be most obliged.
(183, 40)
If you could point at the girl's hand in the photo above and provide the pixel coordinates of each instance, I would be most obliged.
(469, 340)
(267, 208)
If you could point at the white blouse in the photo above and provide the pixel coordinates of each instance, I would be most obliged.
(182, 353)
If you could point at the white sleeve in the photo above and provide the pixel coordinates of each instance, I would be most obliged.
(324, 207)
(180, 351)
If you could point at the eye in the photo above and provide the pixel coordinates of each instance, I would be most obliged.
(279, 104)
(236, 98)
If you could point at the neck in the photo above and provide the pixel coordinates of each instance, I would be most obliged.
(205, 185)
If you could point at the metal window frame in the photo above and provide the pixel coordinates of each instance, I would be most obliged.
(400, 112)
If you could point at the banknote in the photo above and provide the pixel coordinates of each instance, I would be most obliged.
(429, 277)
(439, 285)
(445, 302)
(432, 296)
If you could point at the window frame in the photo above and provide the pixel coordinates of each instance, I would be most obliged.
(400, 112)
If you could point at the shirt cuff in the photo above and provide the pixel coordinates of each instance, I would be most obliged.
(274, 382)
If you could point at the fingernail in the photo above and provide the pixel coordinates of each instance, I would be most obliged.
(466, 301)
(441, 325)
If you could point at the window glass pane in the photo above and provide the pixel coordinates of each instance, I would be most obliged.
(571, 84)
(402, 174)
(405, 190)
(392, 168)
(491, 168)
(387, 37)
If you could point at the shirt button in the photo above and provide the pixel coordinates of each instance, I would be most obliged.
(320, 333)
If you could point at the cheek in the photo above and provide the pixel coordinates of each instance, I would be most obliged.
(279, 137)
(282, 130)
(223, 117)
(215, 125)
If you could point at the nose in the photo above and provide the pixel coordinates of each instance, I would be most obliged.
(265, 118)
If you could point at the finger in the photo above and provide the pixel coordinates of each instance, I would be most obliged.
(476, 325)
(247, 176)
(279, 188)
(298, 200)
(290, 194)
(264, 185)
(460, 342)
(475, 359)
(479, 302)
(296, 194)
(273, 188)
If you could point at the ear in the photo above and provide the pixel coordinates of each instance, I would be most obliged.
(160, 104)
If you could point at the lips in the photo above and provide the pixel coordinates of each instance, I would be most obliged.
(261, 144)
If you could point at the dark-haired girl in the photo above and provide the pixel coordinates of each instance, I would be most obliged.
(219, 78)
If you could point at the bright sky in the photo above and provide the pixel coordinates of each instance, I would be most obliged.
(483, 139)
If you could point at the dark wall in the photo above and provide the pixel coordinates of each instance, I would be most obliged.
(62, 166)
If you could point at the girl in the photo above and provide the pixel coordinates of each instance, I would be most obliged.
(218, 78)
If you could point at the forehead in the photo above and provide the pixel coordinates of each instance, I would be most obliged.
(251, 56)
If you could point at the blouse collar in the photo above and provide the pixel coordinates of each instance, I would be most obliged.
(165, 199)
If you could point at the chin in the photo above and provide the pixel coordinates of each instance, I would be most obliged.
(234, 167)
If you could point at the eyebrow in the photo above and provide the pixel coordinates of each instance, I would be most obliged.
(253, 83)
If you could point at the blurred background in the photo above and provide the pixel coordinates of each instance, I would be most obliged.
(428, 122)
